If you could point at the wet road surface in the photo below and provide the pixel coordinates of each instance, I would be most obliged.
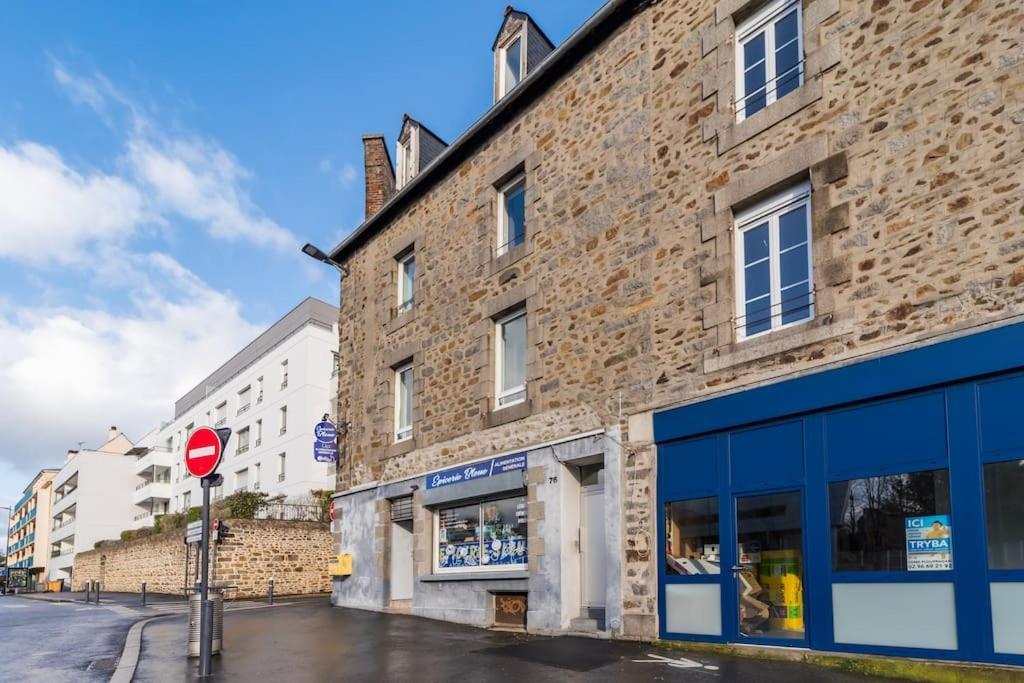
(308, 640)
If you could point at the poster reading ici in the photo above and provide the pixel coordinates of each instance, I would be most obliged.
(929, 543)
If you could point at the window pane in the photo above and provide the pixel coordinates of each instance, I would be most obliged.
(513, 356)
(785, 28)
(754, 75)
(408, 280)
(1004, 514)
(792, 266)
(755, 243)
(869, 519)
(504, 532)
(787, 69)
(405, 399)
(691, 537)
(758, 316)
(458, 537)
(757, 283)
(512, 65)
(793, 227)
(796, 303)
(515, 215)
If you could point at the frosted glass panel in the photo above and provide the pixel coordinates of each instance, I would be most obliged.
(693, 608)
(895, 614)
(1008, 617)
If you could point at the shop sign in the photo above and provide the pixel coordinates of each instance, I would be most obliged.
(479, 470)
(929, 543)
(325, 447)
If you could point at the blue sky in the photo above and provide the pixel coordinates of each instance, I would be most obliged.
(160, 164)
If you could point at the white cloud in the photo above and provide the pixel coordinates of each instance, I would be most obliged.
(68, 373)
(50, 211)
(347, 175)
(201, 181)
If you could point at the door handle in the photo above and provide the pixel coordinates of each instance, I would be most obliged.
(739, 568)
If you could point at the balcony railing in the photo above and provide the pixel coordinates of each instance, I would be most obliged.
(280, 477)
(259, 398)
(143, 515)
(284, 382)
(63, 523)
(243, 408)
(220, 422)
(242, 448)
(258, 442)
(284, 430)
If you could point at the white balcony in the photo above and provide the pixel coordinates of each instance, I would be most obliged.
(152, 490)
(156, 457)
(64, 502)
(64, 529)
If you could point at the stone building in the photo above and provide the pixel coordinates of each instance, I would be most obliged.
(693, 330)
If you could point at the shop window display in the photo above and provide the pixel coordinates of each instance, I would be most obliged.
(691, 537)
(488, 535)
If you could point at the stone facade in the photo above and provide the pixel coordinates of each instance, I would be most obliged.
(909, 128)
(295, 554)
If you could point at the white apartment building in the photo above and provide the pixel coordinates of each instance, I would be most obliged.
(91, 500)
(271, 394)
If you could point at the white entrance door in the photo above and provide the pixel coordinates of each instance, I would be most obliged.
(401, 560)
(592, 545)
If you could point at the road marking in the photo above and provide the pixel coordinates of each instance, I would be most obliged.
(680, 663)
(13, 606)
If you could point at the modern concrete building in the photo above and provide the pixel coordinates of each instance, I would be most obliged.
(92, 501)
(30, 528)
(271, 394)
(748, 272)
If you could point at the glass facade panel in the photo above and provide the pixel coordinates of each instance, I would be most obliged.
(691, 537)
(895, 614)
(869, 518)
(693, 608)
(1004, 514)
(1008, 617)
(769, 573)
(482, 535)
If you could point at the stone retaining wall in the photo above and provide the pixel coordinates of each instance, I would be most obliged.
(295, 554)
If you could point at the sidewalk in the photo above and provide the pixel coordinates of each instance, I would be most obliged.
(127, 599)
(308, 640)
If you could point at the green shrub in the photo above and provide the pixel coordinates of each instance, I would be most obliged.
(241, 505)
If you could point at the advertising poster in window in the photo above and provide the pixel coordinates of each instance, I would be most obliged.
(929, 543)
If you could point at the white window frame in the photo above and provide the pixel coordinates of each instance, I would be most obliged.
(284, 373)
(501, 396)
(770, 209)
(763, 22)
(403, 432)
(437, 569)
(407, 153)
(503, 87)
(402, 306)
(282, 464)
(503, 193)
(282, 414)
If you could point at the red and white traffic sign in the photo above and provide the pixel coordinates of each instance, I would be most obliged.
(202, 452)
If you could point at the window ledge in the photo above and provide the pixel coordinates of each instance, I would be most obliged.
(475, 576)
(400, 321)
(824, 327)
(737, 133)
(510, 414)
(512, 255)
(400, 447)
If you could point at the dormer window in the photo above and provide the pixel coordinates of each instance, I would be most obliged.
(417, 147)
(519, 48)
(512, 67)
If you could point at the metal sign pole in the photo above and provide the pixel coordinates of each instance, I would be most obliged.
(205, 614)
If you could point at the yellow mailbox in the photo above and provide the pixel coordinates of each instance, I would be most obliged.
(342, 566)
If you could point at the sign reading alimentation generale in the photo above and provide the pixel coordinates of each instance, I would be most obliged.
(477, 470)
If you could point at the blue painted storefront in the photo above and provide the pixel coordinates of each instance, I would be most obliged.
(956, 405)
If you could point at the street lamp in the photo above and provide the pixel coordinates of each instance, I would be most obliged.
(315, 252)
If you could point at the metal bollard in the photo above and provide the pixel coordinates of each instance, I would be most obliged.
(97, 588)
(270, 592)
(88, 590)
(143, 593)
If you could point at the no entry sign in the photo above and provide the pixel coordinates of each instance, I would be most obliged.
(203, 451)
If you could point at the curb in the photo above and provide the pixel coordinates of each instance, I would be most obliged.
(129, 659)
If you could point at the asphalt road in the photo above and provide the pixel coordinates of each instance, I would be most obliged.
(308, 640)
(60, 641)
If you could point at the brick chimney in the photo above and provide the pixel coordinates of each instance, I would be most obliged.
(379, 173)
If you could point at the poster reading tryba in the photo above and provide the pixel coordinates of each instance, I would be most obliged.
(929, 543)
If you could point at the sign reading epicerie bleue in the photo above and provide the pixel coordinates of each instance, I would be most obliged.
(477, 470)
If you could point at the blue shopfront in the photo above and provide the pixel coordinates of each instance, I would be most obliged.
(877, 507)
